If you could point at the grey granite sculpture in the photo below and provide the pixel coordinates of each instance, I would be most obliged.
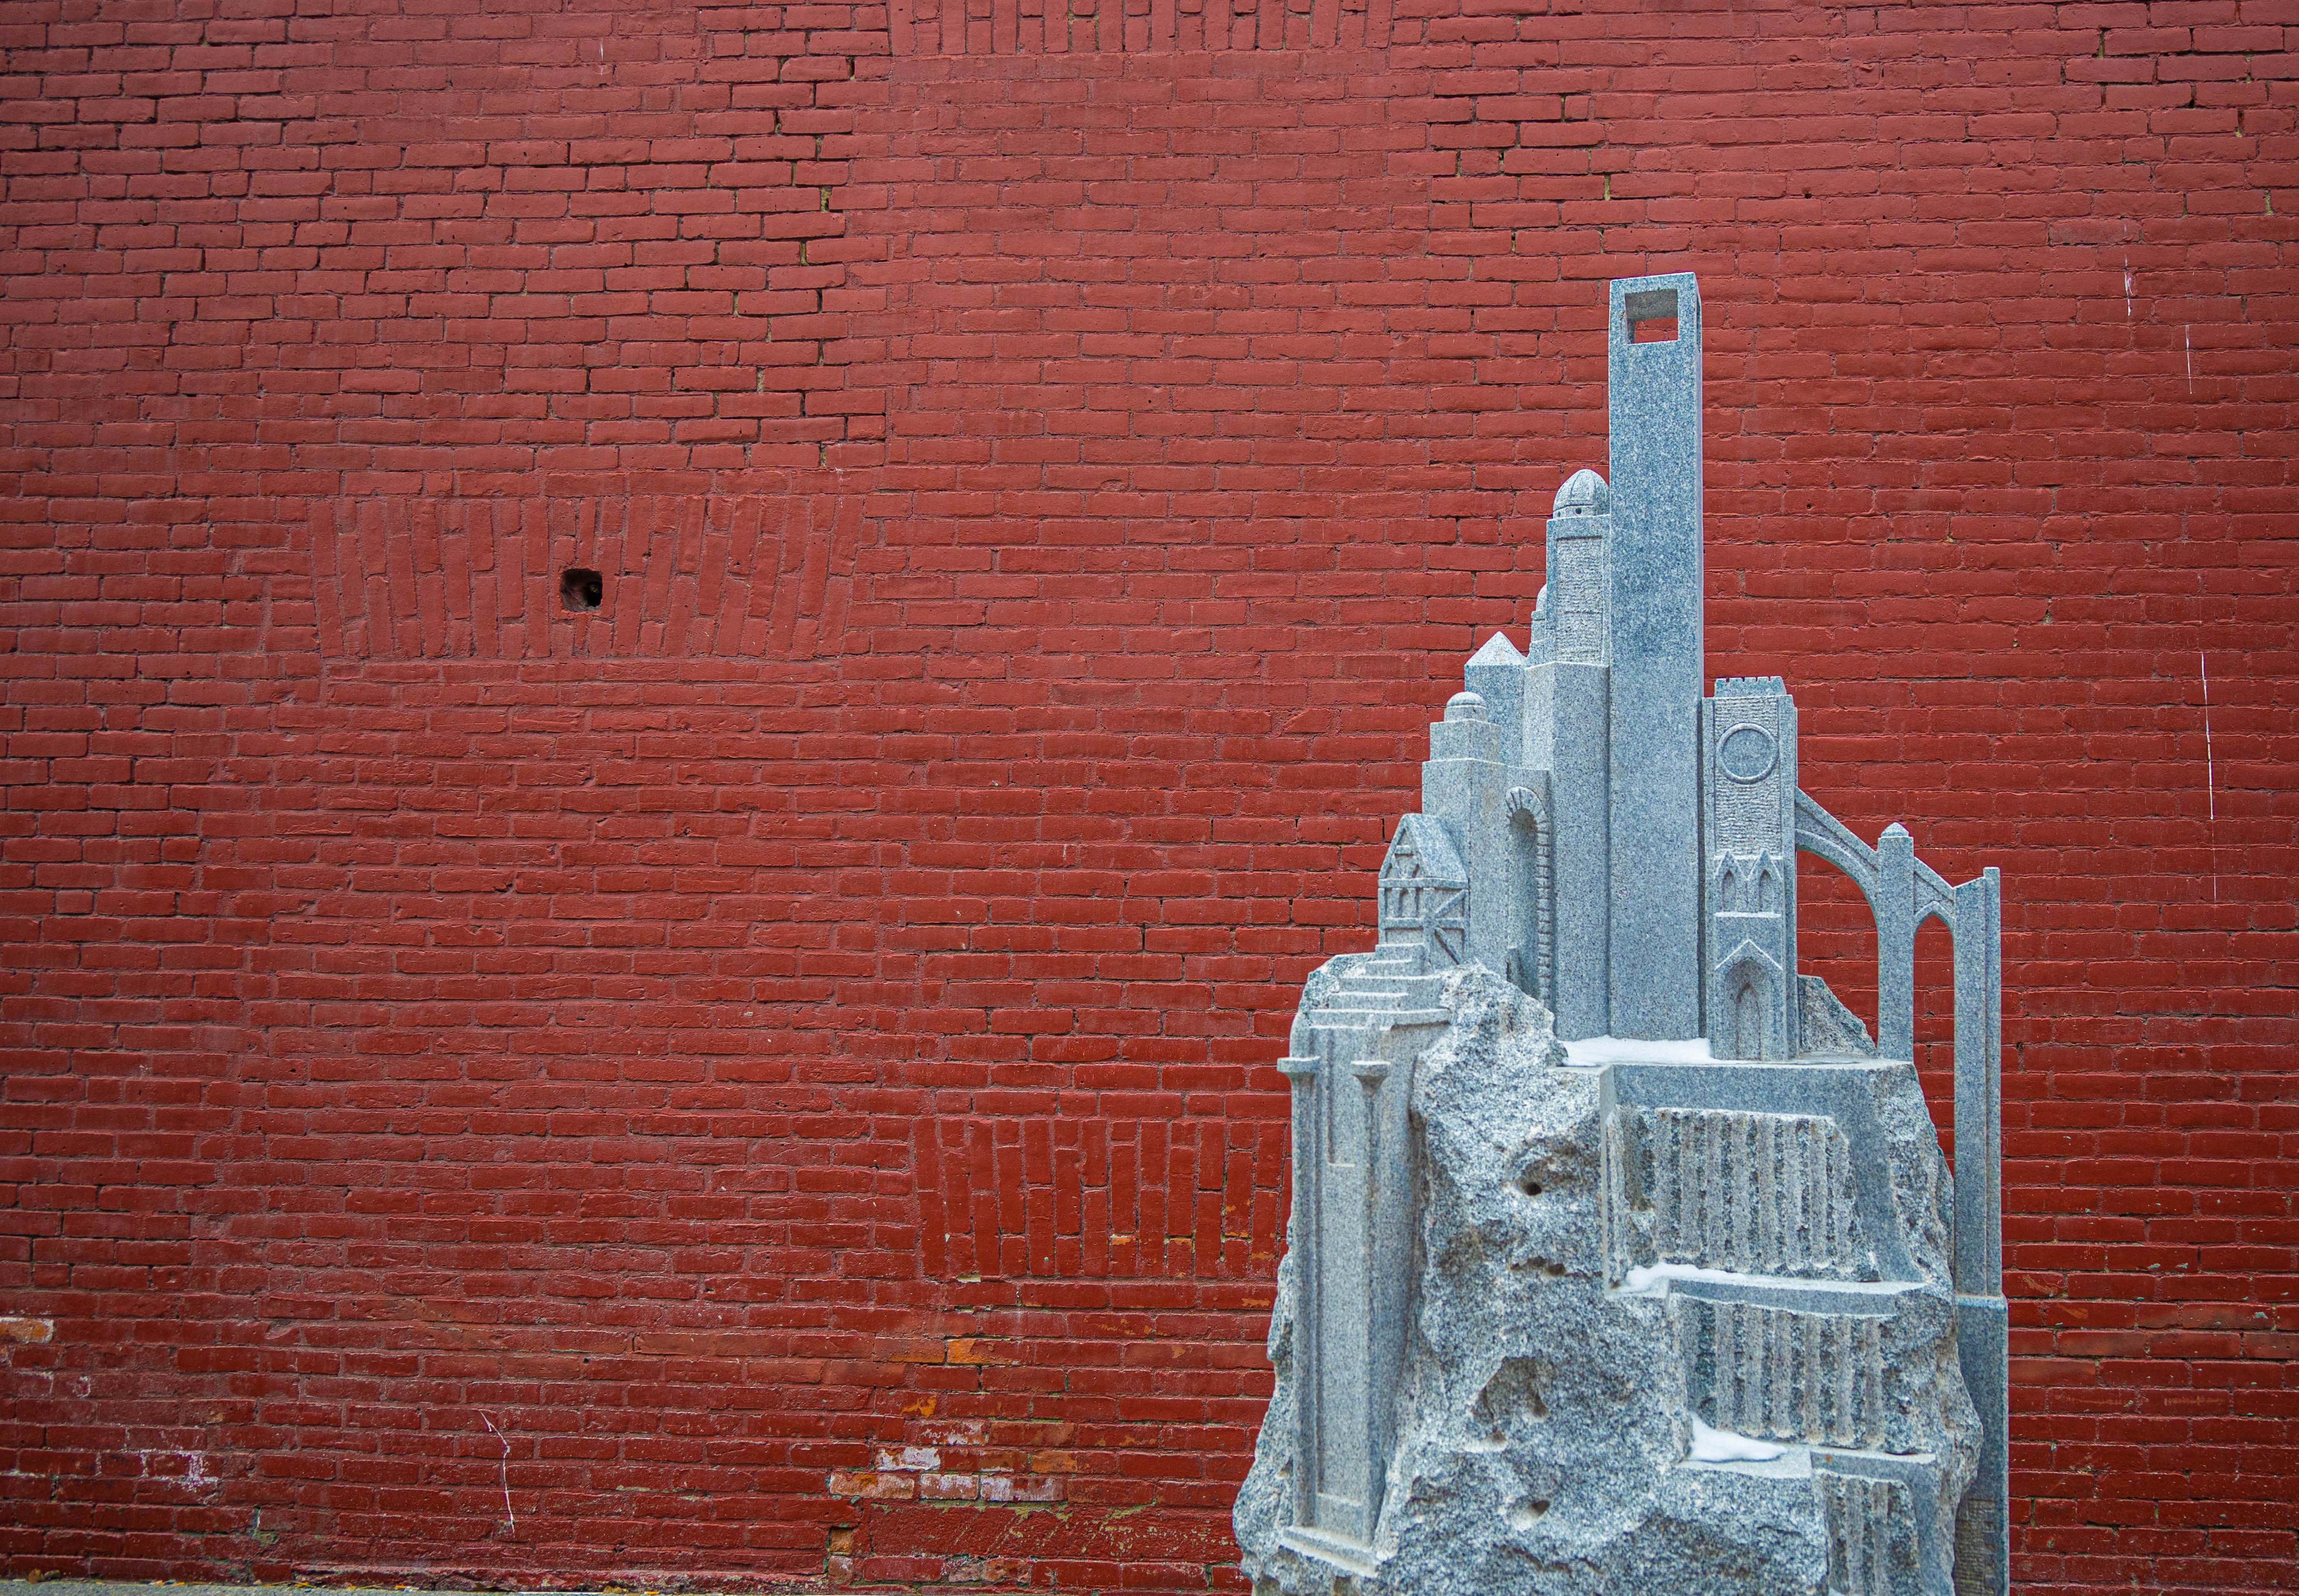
(1620, 1261)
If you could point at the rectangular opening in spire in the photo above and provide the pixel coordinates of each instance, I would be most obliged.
(1652, 315)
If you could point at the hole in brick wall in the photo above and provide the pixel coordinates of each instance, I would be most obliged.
(579, 589)
(1652, 315)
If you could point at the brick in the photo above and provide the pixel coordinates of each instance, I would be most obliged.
(788, 1054)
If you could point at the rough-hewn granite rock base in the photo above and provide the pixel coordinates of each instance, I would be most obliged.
(1621, 1276)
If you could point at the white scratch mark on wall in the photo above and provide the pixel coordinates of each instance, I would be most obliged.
(509, 1517)
(2210, 779)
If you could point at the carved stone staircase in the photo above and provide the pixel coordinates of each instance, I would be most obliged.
(1386, 985)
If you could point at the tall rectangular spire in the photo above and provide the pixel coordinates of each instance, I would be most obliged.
(1654, 381)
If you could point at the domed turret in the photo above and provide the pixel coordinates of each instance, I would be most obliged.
(1584, 493)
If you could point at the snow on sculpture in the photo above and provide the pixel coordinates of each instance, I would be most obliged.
(1621, 1259)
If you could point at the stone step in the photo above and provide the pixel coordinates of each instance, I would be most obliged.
(1359, 992)
(1369, 986)
(1358, 982)
(1339, 1019)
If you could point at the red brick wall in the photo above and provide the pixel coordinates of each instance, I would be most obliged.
(773, 1076)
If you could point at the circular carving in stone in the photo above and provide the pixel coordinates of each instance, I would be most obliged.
(1747, 753)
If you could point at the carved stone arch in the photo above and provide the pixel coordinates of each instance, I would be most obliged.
(1533, 961)
(1902, 894)
(1820, 833)
(1528, 808)
(1870, 894)
(1752, 985)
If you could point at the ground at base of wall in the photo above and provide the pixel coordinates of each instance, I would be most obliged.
(684, 1584)
(670, 1586)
